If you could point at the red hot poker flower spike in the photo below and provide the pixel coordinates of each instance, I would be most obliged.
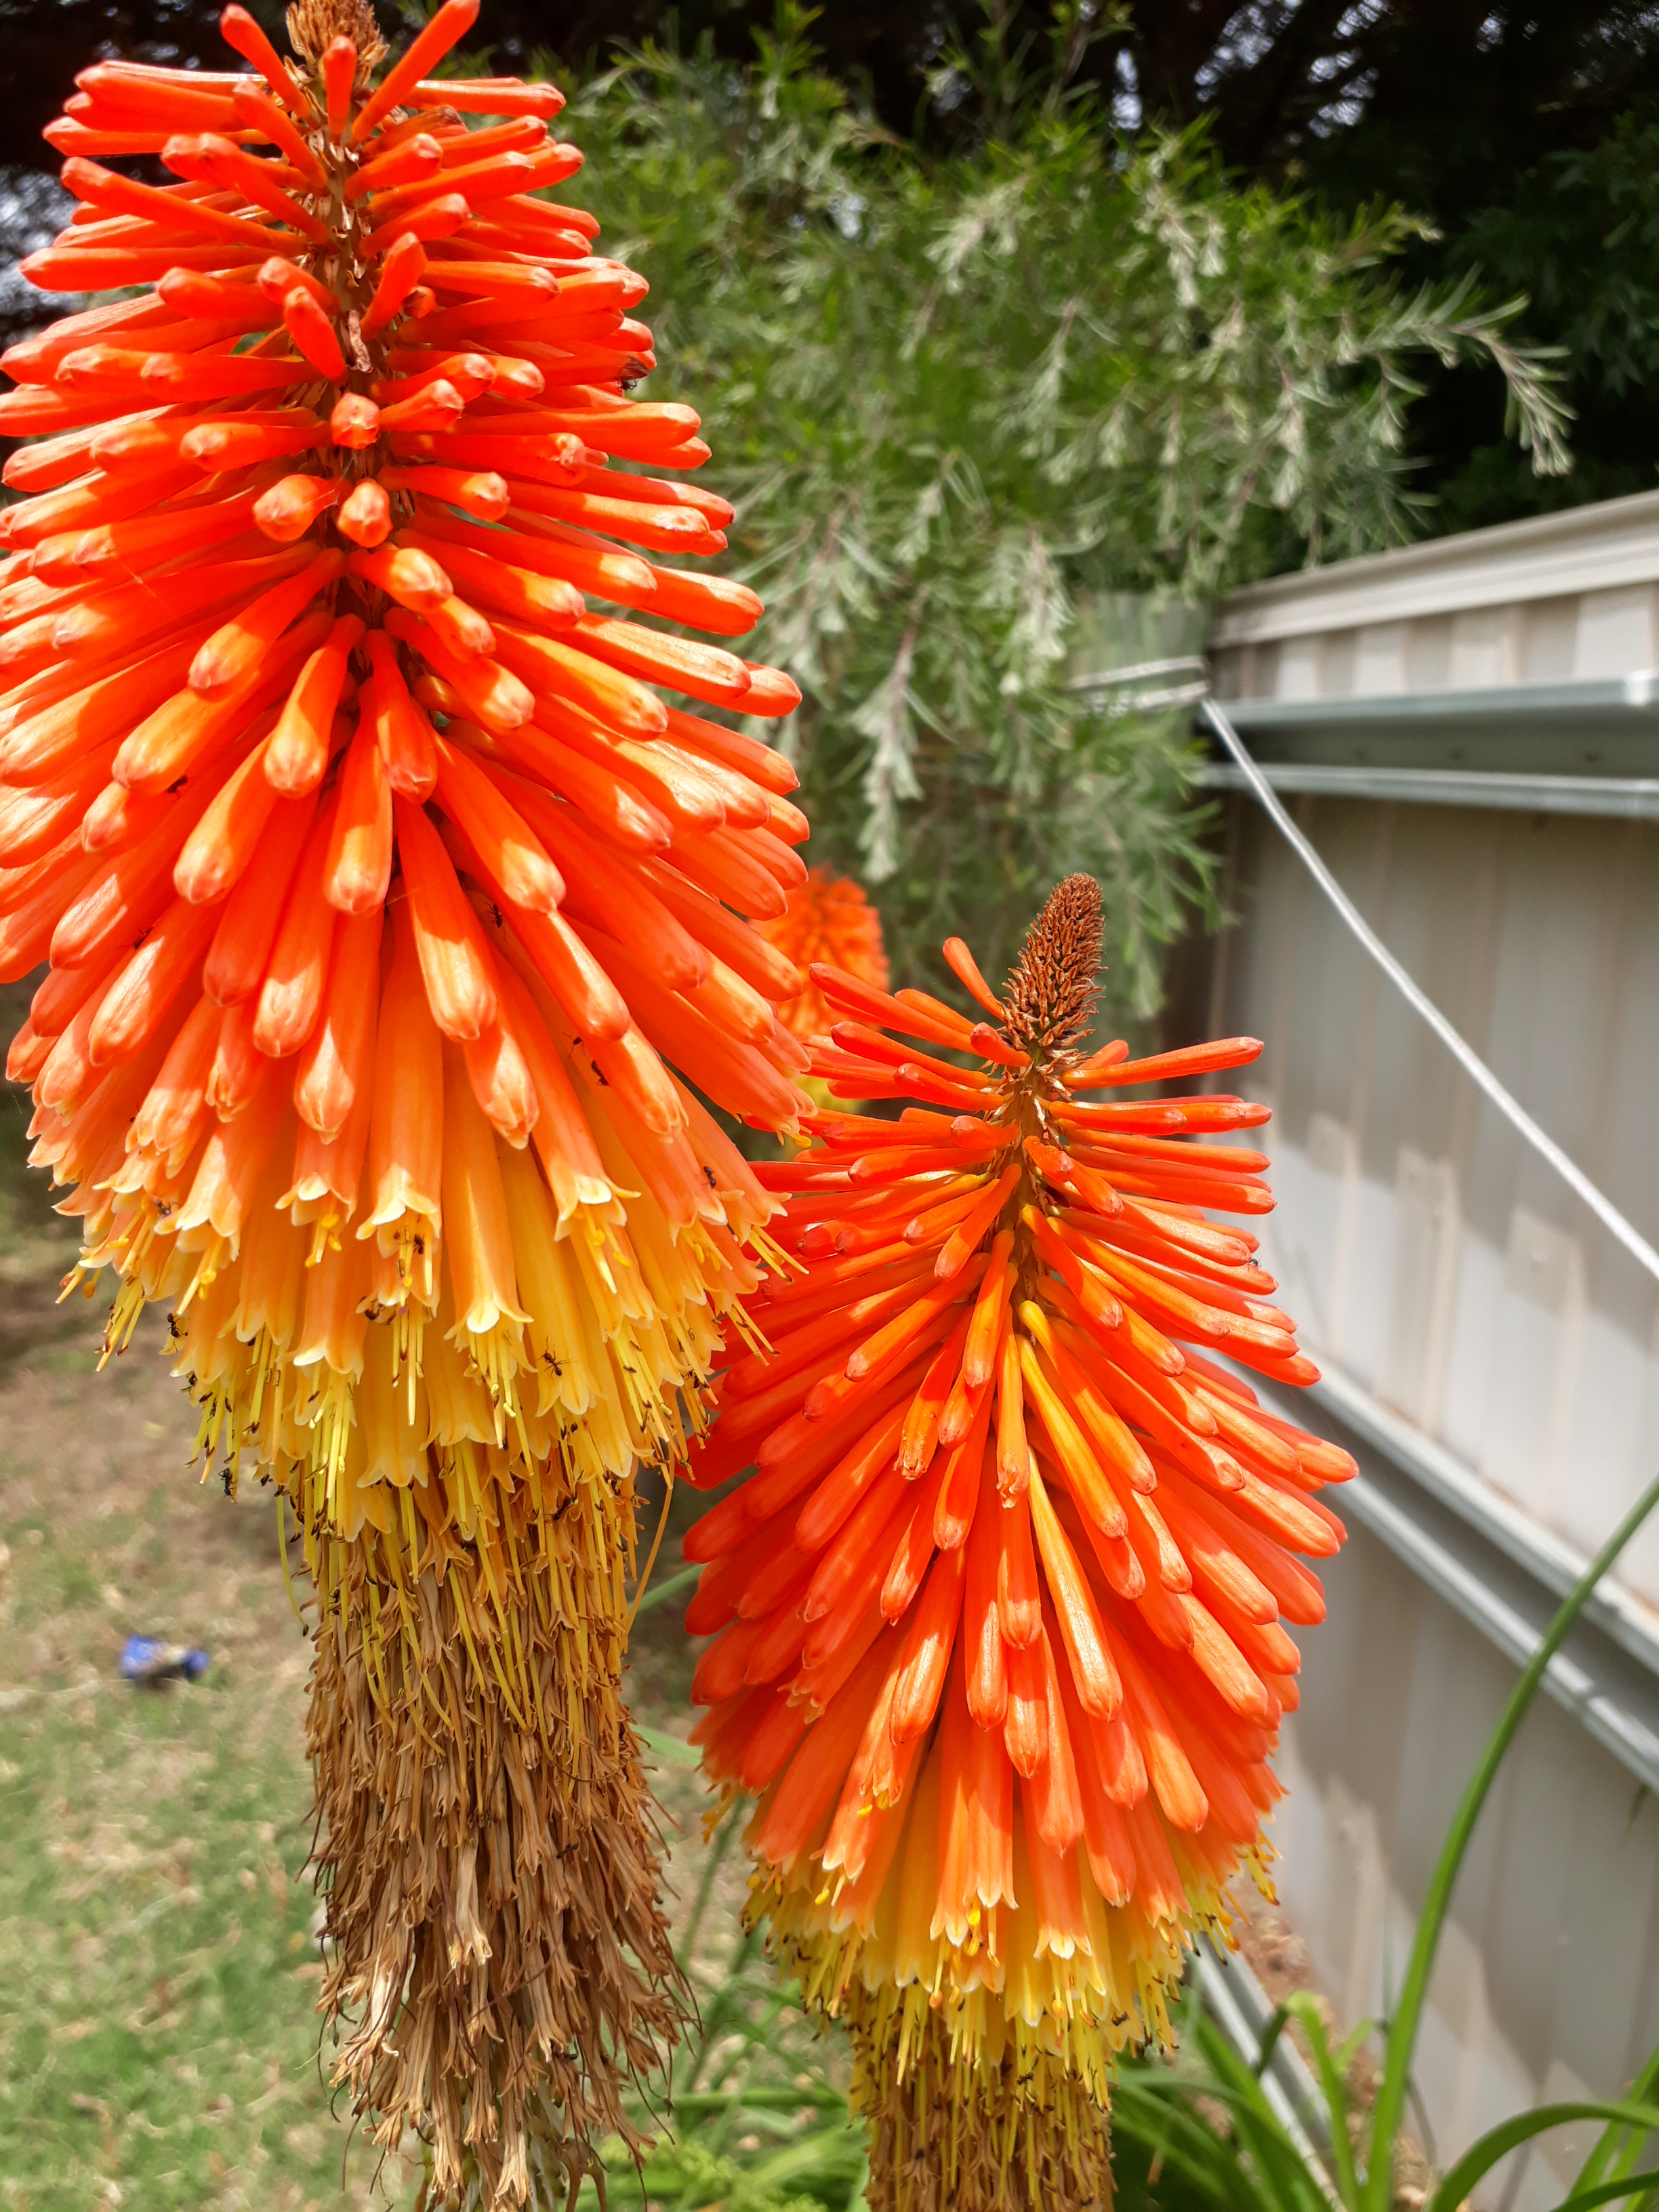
(298, 633)
(1001, 1610)
(399, 890)
(828, 919)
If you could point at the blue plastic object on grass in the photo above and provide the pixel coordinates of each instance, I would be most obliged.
(146, 1659)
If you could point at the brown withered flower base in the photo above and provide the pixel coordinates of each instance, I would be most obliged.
(500, 1964)
(1023, 2137)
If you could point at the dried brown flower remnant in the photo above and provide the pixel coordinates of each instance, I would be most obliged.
(312, 25)
(501, 1965)
(997, 2137)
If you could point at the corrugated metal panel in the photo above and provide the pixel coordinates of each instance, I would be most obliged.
(1443, 1271)
(1427, 1253)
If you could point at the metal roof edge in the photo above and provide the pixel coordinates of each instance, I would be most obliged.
(1624, 799)
(1630, 700)
(1598, 547)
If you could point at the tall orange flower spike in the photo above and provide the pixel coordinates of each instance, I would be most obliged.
(828, 919)
(391, 906)
(396, 919)
(1001, 1647)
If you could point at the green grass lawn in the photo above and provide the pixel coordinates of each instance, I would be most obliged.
(158, 2046)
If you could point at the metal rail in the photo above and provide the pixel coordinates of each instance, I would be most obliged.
(1462, 1050)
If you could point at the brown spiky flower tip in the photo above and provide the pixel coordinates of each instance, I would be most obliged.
(313, 26)
(999, 1616)
(1049, 1001)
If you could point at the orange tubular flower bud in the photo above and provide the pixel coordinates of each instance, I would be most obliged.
(455, 963)
(309, 327)
(509, 851)
(475, 492)
(1087, 1581)
(223, 841)
(139, 1000)
(338, 1061)
(414, 579)
(221, 447)
(365, 515)
(298, 751)
(406, 736)
(436, 406)
(291, 992)
(354, 422)
(236, 959)
(234, 653)
(434, 218)
(288, 510)
(400, 272)
(240, 31)
(357, 873)
(338, 71)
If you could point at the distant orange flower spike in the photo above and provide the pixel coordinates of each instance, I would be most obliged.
(999, 1614)
(828, 919)
(285, 750)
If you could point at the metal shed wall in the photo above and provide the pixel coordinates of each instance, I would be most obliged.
(1491, 1357)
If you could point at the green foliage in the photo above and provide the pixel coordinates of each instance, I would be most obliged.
(760, 2121)
(1578, 229)
(952, 398)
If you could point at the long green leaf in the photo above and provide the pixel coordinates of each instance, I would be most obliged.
(1617, 2152)
(1610, 2192)
(672, 1750)
(1388, 2112)
(1497, 2142)
(1304, 2009)
(660, 1592)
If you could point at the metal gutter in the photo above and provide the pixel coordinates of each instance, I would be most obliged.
(1629, 702)
(1493, 1564)
(1621, 797)
(1599, 548)
(1618, 1611)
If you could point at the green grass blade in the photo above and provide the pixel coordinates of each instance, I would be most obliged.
(1295, 2186)
(1304, 2010)
(713, 1860)
(1278, 2021)
(1646, 2185)
(1497, 2142)
(668, 1748)
(660, 1592)
(1389, 2109)
(1617, 2151)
